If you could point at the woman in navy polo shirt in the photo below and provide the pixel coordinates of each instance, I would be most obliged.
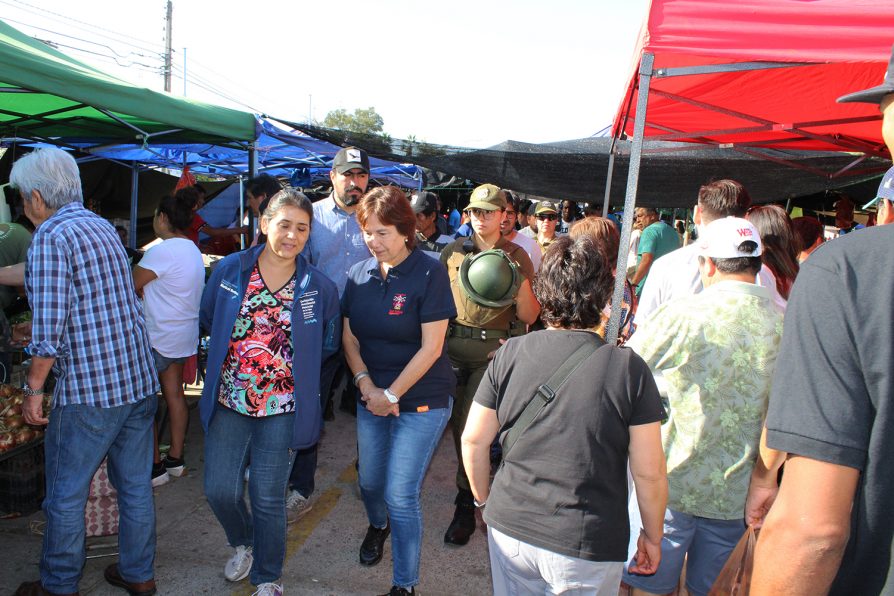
(396, 306)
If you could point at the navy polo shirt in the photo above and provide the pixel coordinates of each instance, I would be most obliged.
(386, 317)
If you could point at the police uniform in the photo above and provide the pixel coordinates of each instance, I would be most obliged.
(476, 331)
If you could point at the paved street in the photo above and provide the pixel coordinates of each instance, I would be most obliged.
(322, 547)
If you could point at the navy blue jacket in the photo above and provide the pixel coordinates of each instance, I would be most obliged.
(316, 334)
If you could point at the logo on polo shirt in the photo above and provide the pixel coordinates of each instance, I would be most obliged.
(397, 304)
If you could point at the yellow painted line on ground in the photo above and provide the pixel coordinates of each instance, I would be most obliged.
(300, 531)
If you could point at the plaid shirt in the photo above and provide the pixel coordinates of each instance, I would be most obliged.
(86, 313)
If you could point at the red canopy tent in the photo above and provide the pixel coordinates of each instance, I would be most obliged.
(754, 75)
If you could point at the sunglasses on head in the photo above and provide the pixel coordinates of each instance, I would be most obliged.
(548, 216)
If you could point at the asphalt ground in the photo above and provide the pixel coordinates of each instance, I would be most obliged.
(322, 547)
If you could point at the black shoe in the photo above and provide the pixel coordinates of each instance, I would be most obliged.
(463, 525)
(374, 545)
(36, 589)
(397, 591)
(159, 474)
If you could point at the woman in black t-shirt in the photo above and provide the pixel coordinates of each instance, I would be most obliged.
(557, 512)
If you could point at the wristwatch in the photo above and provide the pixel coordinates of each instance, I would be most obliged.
(479, 505)
(391, 397)
(28, 391)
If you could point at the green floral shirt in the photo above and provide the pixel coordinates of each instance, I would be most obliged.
(716, 351)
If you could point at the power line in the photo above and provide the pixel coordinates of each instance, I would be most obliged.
(110, 48)
(93, 29)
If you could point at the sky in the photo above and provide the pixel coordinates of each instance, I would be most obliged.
(466, 73)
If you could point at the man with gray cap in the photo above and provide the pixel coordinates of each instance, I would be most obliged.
(481, 325)
(428, 237)
(716, 351)
(334, 245)
(830, 529)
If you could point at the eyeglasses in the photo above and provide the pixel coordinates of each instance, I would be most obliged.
(481, 213)
(548, 216)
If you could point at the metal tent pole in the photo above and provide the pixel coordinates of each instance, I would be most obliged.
(134, 204)
(636, 150)
(242, 212)
(608, 178)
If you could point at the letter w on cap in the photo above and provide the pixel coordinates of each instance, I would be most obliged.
(744, 232)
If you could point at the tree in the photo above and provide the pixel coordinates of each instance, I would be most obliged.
(361, 121)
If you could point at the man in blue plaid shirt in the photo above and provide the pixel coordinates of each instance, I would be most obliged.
(88, 329)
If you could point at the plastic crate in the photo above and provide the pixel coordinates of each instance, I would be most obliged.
(22, 481)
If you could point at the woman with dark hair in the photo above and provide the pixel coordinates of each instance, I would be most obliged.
(170, 277)
(396, 308)
(780, 248)
(273, 317)
(557, 511)
(605, 233)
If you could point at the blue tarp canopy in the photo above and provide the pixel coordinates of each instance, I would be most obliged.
(282, 153)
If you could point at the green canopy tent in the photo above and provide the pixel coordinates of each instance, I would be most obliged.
(49, 97)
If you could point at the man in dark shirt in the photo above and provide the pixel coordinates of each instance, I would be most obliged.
(830, 529)
(428, 236)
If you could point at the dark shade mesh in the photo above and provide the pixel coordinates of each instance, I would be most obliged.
(670, 173)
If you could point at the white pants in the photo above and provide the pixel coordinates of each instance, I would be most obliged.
(519, 568)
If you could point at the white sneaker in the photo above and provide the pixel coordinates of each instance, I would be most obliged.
(239, 565)
(269, 589)
(296, 506)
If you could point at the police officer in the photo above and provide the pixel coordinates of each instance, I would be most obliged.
(482, 320)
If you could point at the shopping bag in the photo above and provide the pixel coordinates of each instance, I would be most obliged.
(735, 577)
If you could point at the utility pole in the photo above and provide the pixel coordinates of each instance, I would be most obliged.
(168, 67)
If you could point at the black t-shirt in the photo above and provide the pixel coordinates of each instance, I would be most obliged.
(833, 391)
(563, 487)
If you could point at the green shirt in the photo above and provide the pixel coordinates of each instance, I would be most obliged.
(716, 351)
(658, 239)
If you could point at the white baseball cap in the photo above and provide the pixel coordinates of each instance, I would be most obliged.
(723, 238)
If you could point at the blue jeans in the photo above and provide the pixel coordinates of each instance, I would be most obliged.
(704, 545)
(394, 455)
(233, 441)
(78, 437)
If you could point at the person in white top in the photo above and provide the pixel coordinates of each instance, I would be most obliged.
(507, 228)
(676, 273)
(171, 276)
(529, 221)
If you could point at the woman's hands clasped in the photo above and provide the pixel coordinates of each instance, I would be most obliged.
(375, 400)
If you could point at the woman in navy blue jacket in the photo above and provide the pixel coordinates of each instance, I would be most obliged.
(273, 317)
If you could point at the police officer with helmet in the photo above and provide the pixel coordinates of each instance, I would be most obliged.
(490, 278)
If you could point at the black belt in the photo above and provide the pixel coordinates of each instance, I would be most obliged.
(464, 332)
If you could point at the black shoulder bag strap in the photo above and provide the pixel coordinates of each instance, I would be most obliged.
(547, 391)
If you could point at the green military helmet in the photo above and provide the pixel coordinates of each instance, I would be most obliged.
(490, 278)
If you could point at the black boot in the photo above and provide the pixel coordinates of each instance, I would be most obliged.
(397, 591)
(463, 525)
(374, 545)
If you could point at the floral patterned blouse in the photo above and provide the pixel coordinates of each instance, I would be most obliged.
(256, 379)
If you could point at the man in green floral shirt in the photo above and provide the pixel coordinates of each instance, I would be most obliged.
(716, 351)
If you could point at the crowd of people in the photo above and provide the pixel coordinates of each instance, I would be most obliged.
(743, 357)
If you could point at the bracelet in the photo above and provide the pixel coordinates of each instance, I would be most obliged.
(479, 505)
(360, 376)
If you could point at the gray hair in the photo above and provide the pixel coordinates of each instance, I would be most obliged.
(288, 197)
(50, 171)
